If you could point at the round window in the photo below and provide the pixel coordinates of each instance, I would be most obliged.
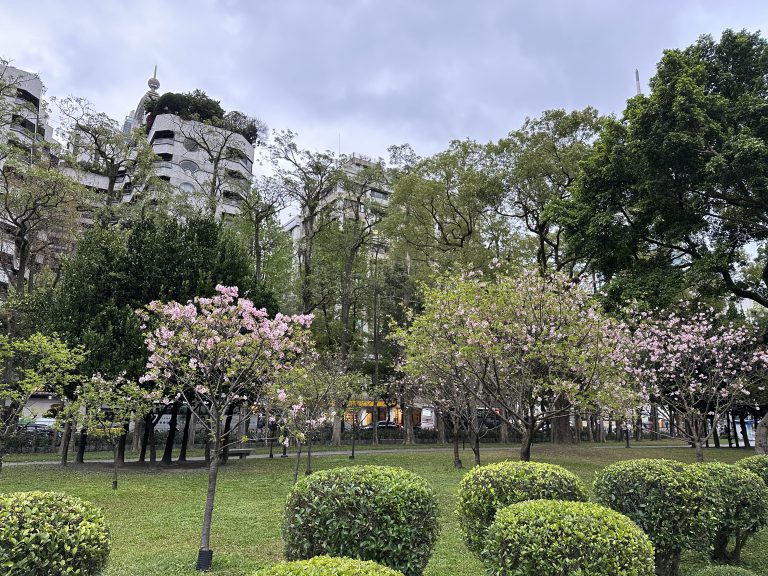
(187, 188)
(189, 166)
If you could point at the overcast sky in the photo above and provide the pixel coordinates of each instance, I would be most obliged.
(377, 72)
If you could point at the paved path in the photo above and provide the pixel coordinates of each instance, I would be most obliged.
(321, 453)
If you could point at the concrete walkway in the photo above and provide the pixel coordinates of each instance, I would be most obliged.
(319, 454)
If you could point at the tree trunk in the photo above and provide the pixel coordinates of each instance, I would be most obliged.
(525, 448)
(761, 436)
(744, 435)
(171, 439)
(138, 434)
(715, 435)
(336, 434)
(65, 443)
(699, 446)
(205, 554)
(732, 420)
(80, 457)
(185, 435)
(121, 446)
(456, 459)
(115, 464)
(441, 426)
(720, 552)
(296, 465)
(561, 425)
(667, 564)
(476, 447)
(408, 436)
(654, 422)
(227, 430)
(145, 437)
(308, 470)
(152, 444)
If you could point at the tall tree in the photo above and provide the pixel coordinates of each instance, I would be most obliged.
(539, 165)
(40, 208)
(310, 179)
(441, 211)
(678, 185)
(97, 144)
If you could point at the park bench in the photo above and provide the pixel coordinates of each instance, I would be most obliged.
(240, 452)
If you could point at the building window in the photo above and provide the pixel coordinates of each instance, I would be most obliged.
(28, 97)
(163, 134)
(190, 145)
(234, 174)
(189, 166)
(187, 187)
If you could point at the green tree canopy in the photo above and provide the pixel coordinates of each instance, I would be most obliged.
(678, 187)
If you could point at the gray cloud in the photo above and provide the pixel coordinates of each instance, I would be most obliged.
(378, 72)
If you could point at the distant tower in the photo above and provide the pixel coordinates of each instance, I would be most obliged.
(140, 112)
(637, 82)
(154, 83)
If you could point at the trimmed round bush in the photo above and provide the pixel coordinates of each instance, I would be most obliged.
(328, 566)
(51, 533)
(724, 571)
(756, 464)
(741, 508)
(668, 500)
(379, 513)
(486, 489)
(552, 538)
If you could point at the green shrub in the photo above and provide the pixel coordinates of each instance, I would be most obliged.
(755, 464)
(552, 538)
(741, 508)
(724, 571)
(378, 513)
(328, 566)
(486, 489)
(669, 501)
(52, 534)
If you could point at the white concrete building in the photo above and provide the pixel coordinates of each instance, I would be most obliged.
(203, 162)
(24, 129)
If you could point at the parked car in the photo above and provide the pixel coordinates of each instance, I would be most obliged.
(388, 424)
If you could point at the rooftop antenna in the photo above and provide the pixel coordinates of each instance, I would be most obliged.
(153, 82)
(637, 82)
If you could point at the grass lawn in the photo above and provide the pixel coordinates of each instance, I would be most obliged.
(155, 514)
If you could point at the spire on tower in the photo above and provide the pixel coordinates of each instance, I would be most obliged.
(637, 82)
(153, 82)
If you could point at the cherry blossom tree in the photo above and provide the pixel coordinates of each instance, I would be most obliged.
(521, 343)
(310, 397)
(697, 367)
(220, 353)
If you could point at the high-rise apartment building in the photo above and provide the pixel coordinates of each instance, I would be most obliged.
(206, 163)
